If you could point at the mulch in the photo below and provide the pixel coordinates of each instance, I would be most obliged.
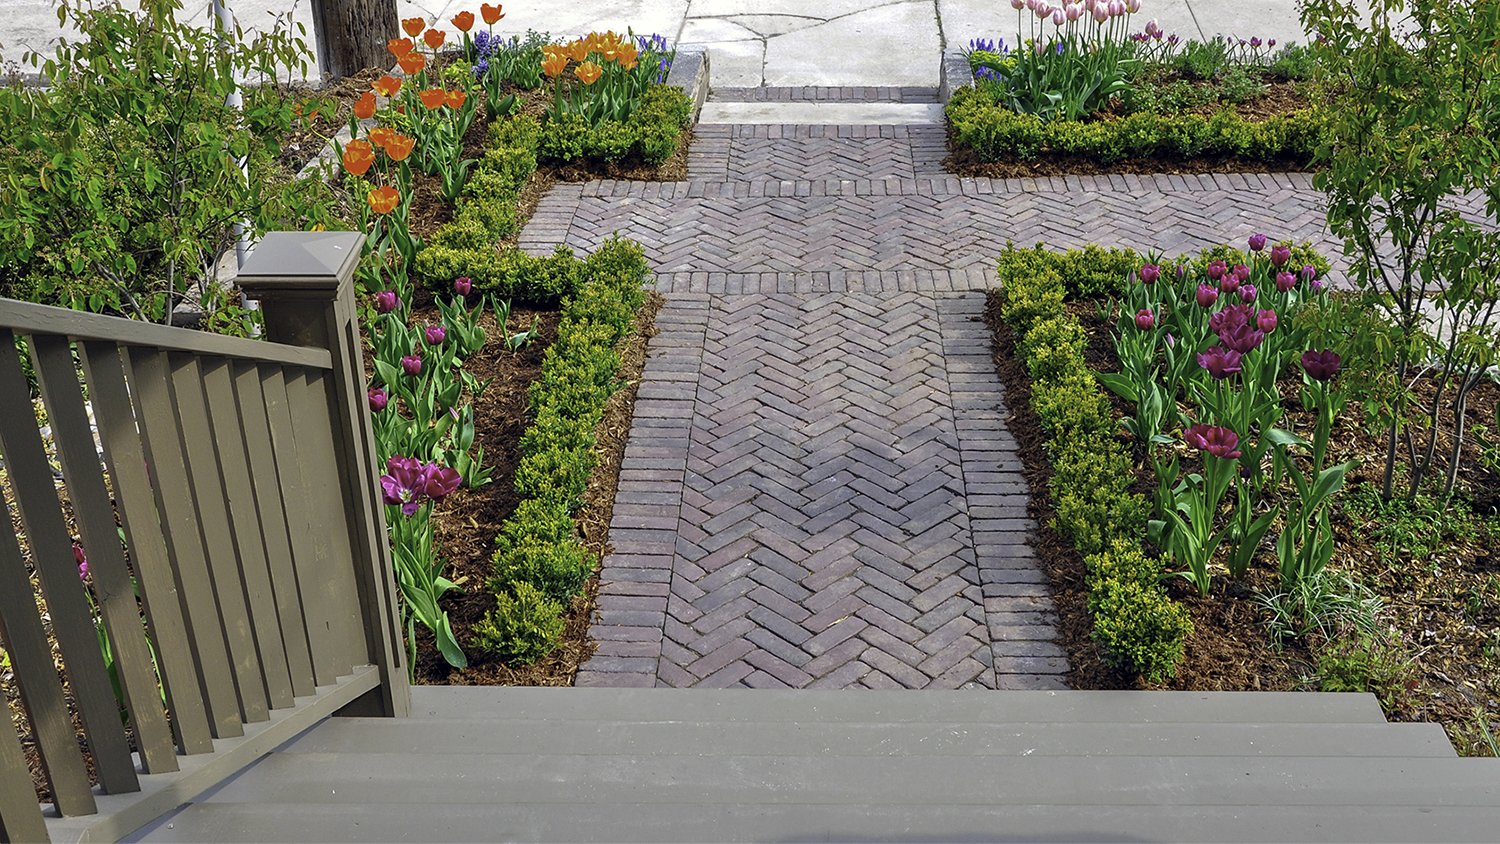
(1452, 654)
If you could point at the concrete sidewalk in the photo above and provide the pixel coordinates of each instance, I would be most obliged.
(757, 42)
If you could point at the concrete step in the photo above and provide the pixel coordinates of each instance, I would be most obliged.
(494, 705)
(377, 778)
(665, 737)
(795, 822)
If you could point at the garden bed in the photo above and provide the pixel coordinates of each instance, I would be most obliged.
(1430, 652)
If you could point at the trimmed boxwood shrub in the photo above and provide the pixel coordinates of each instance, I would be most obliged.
(1134, 622)
(995, 133)
(539, 559)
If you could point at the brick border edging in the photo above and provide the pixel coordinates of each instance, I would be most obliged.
(954, 74)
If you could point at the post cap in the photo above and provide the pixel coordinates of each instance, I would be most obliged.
(301, 261)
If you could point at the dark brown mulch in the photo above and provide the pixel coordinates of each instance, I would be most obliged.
(1447, 623)
(467, 524)
(1278, 98)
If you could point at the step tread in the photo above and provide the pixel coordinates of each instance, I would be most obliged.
(635, 822)
(1022, 780)
(548, 704)
(666, 737)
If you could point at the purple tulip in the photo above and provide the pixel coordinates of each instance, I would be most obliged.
(436, 334)
(1241, 272)
(1229, 283)
(1149, 273)
(1321, 366)
(1231, 317)
(1144, 319)
(378, 399)
(1280, 255)
(438, 482)
(1255, 42)
(1216, 270)
(1207, 296)
(1214, 439)
(1241, 338)
(1285, 281)
(1266, 321)
(1248, 293)
(462, 285)
(412, 365)
(387, 301)
(1271, 43)
(1257, 242)
(1220, 362)
(402, 484)
(1309, 272)
(1171, 341)
(82, 560)
(1316, 285)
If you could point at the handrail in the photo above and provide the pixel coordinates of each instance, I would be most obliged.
(30, 318)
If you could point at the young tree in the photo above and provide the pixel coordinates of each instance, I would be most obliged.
(1414, 137)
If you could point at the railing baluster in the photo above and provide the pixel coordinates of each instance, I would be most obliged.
(255, 412)
(336, 580)
(285, 395)
(244, 516)
(126, 461)
(113, 588)
(20, 816)
(47, 534)
(179, 515)
(207, 479)
(25, 640)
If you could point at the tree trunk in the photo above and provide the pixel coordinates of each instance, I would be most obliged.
(352, 34)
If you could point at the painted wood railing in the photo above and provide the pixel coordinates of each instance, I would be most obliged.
(228, 509)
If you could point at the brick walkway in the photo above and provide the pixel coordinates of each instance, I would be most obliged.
(819, 488)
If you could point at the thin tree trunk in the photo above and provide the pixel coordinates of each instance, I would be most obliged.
(352, 34)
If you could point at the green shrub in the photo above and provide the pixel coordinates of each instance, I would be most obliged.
(1140, 627)
(996, 133)
(539, 546)
(652, 132)
(524, 626)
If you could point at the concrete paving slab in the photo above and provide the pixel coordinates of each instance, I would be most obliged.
(822, 114)
(768, 25)
(892, 45)
(1277, 19)
(737, 64)
(570, 20)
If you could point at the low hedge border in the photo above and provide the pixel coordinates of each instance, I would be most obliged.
(487, 212)
(1137, 625)
(995, 133)
(540, 562)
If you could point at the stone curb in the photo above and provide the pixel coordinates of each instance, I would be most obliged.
(955, 74)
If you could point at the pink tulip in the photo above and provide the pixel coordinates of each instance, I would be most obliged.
(1043, 9)
(1073, 11)
(1101, 14)
(1132, 6)
(1152, 27)
(1058, 16)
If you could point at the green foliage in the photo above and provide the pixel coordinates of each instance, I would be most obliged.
(122, 180)
(996, 133)
(1324, 605)
(539, 548)
(652, 132)
(1411, 531)
(1365, 663)
(524, 626)
(1140, 627)
(1414, 90)
(1134, 621)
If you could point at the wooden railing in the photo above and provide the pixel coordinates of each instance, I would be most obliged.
(235, 541)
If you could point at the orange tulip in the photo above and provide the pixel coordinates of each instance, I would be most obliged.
(628, 53)
(434, 38)
(358, 156)
(383, 200)
(414, 26)
(456, 99)
(463, 21)
(588, 73)
(412, 63)
(492, 14)
(382, 135)
(433, 98)
(387, 86)
(554, 65)
(399, 47)
(364, 107)
(627, 61)
(578, 51)
(398, 146)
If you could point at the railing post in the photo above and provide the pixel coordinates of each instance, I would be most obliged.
(305, 284)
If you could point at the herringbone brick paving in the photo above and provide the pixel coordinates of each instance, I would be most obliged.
(819, 488)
